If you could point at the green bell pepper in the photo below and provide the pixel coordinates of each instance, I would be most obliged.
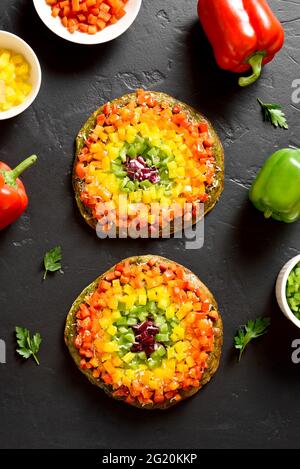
(276, 189)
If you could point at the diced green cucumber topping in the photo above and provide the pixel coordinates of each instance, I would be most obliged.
(125, 335)
(131, 321)
(162, 337)
(142, 356)
(129, 337)
(121, 321)
(159, 353)
(293, 291)
(153, 363)
(153, 156)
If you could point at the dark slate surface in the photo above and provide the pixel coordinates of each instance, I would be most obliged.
(254, 404)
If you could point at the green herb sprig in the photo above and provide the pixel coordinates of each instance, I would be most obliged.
(273, 113)
(29, 346)
(52, 260)
(252, 330)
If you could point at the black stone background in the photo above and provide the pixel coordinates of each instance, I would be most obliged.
(251, 404)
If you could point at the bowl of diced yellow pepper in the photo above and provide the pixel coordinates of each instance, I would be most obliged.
(20, 75)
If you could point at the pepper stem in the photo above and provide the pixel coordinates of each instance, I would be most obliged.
(268, 213)
(23, 166)
(11, 176)
(256, 63)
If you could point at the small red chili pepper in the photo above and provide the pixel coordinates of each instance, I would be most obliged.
(13, 197)
(244, 34)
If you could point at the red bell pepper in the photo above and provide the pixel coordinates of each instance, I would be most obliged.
(13, 197)
(244, 34)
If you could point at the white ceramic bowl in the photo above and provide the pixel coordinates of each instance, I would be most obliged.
(281, 289)
(107, 34)
(16, 44)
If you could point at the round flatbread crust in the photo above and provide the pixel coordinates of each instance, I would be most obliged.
(213, 360)
(214, 192)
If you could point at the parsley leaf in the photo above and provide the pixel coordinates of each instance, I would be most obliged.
(252, 330)
(22, 335)
(29, 346)
(52, 260)
(36, 342)
(274, 114)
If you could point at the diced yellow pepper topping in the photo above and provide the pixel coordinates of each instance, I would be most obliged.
(128, 357)
(14, 79)
(110, 347)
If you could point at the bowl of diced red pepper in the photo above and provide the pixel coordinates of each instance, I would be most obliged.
(88, 21)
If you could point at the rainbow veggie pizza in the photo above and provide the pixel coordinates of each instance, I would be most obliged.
(147, 332)
(152, 149)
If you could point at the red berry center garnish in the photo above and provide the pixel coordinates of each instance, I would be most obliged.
(145, 333)
(138, 170)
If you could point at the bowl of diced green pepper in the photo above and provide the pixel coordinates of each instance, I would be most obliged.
(288, 290)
